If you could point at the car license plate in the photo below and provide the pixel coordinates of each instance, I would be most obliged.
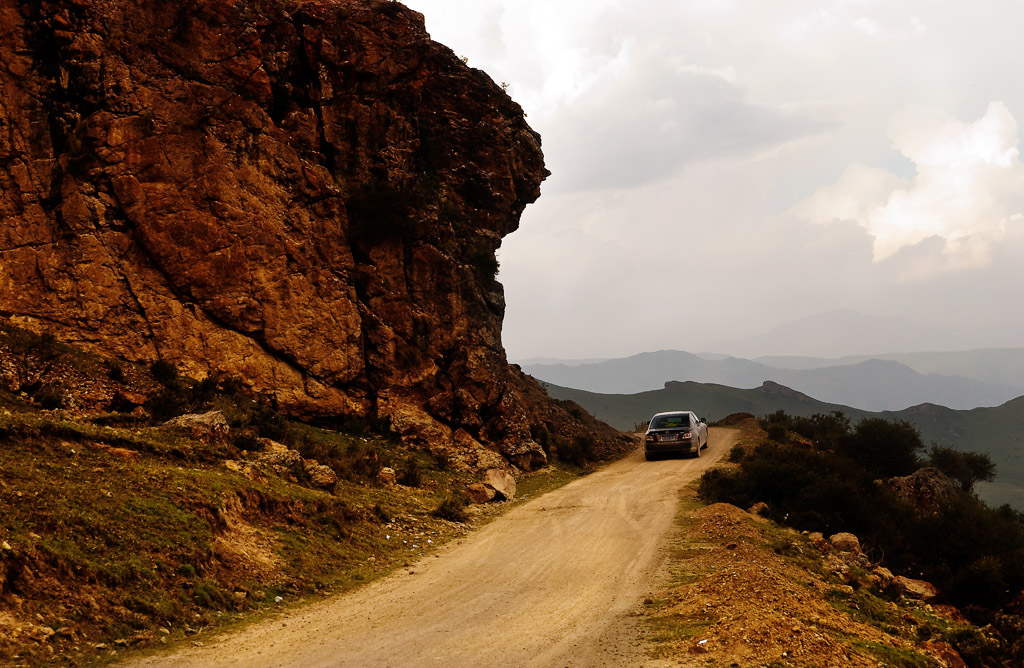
(668, 437)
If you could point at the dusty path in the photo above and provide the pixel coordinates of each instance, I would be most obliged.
(550, 584)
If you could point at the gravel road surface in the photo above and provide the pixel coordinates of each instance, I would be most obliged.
(555, 582)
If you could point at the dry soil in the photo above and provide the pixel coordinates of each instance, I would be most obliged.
(554, 582)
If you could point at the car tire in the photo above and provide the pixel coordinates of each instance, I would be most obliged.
(649, 456)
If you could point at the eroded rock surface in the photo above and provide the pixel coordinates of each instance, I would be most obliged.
(305, 195)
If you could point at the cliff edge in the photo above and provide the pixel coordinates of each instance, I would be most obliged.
(304, 195)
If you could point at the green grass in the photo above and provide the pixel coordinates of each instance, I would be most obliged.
(117, 546)
(674, 629)
(535, 484)
(893, 657)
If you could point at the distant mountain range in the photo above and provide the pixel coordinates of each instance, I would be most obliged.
(845, 331)
(998, 431)
(959, 380)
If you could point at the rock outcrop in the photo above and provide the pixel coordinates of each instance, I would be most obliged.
(927, 490)
(305, 195)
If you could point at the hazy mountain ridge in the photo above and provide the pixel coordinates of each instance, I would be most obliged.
(843, 332)
(999, 366)
(867, 383)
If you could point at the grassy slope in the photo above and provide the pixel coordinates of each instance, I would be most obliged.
(103, 548)
(117, 533)
(114, 538)
(744, 591)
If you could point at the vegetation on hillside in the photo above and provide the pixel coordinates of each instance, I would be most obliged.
(119, 531)
(997, 431)
(822, 473)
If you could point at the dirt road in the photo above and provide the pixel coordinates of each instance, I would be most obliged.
(550, 584)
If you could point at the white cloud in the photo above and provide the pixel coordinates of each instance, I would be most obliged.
(968, 187)
(867, 26)
(653, 115)
(670, 123)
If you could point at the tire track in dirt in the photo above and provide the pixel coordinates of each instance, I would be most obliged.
(554, 582)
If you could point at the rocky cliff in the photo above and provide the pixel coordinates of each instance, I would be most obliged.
(302, 194)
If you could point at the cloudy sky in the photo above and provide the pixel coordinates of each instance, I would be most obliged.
(722, 168)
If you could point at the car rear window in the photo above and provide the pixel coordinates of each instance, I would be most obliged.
(671, 422)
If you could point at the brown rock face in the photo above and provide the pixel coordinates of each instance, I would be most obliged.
(306, 195)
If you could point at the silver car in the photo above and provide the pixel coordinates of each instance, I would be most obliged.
(675, 432)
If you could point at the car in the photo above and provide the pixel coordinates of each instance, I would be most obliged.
(675, 432)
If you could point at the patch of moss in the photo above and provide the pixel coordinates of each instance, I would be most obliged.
(894, 657)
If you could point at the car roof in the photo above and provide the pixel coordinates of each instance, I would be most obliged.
(670, 413)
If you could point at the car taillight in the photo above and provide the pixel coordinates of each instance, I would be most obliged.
(687, 435)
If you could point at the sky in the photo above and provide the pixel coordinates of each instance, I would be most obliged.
(722, 169)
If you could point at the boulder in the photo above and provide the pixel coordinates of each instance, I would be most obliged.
(486, 459)
(917, 589)
(945, 653)
(278, 454)
(845, 542)
(387, 476)
(211, 423)
(525, 454)
(246, 469)
(927, 489)
(502, 483)
(480, 493)
(320, 475)
(760, 508)
(817, 540)
(885, 577)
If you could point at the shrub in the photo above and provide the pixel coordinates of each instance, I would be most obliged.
(966, 468)
(270, 424)
(49, 399)
(32, 356)
(972, 553)
(115, 371)
(576, 451)
(452, 509)
(480, 256)
(886, 448)
(208, 595)
(244, 440)
(410, 475)
(169, 402)
(443, 461)
(359, 460)
(777, 433)
(824, 431)
(381, 513)
(164, 372)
